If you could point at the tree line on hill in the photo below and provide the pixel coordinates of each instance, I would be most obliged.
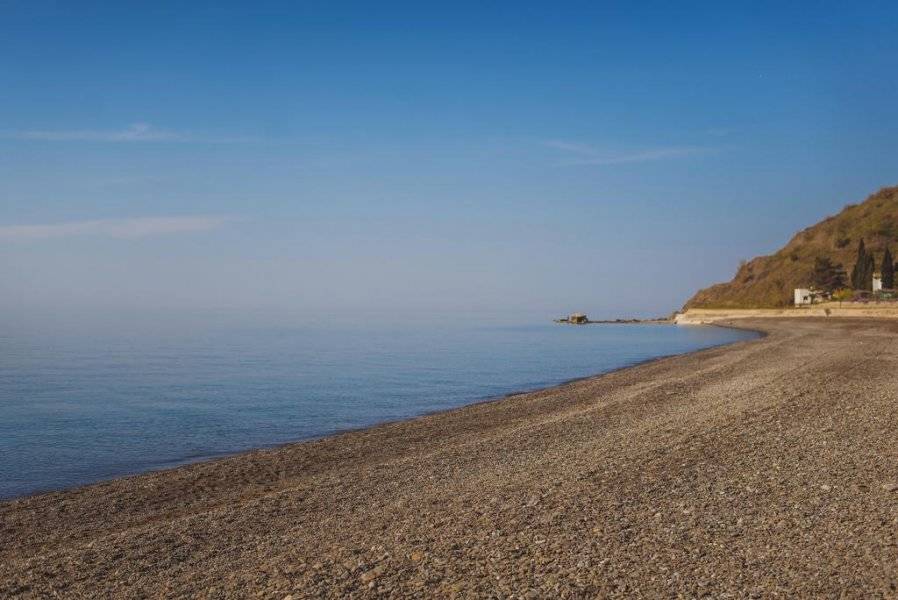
(830, 277)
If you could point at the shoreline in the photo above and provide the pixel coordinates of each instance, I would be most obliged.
(579, 485)
(828, 310)
(207, 457)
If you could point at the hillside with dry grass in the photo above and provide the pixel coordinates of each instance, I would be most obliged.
(769, 281)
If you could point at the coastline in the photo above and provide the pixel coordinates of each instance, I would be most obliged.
(710, 316)
(155, 466)
(515, 465)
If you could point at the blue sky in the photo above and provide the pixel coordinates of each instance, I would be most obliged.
(537, 157)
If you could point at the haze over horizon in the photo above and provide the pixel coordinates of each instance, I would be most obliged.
(417, 158)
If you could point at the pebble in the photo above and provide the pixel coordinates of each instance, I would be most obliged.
(373, 573)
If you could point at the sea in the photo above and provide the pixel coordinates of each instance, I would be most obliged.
(87, 400)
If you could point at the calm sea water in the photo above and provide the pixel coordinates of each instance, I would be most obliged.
(78, 406)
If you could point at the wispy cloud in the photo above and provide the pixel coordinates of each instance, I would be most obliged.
(584, 154)
(113, 228)
(136, 132)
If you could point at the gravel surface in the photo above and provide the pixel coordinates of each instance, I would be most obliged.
(763, 469)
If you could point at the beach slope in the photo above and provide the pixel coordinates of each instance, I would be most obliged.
(768, 466)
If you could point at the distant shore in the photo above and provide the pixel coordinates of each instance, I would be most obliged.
(762, 467)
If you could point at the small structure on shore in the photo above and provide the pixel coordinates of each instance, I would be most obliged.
(877, 282)
(803, 297)
(806, 297)
(574, 319)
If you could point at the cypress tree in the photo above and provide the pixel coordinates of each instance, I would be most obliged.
(868, 272)
(857, 273)
(887, 270)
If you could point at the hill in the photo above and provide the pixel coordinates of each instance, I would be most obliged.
(769, 281)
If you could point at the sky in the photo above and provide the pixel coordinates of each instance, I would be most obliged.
(342, 157)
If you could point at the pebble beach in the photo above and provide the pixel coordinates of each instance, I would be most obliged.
(767, 468)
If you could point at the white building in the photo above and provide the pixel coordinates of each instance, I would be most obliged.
(803, 297)
(877, 282)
